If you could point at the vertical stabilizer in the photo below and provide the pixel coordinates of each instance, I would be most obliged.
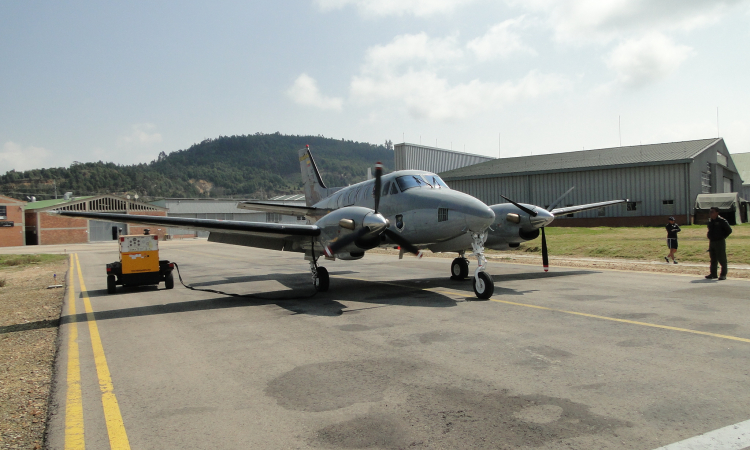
(315, 189)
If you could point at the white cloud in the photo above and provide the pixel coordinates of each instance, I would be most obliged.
(17, 157)
(500, 41)
(418, 8)
(305, 91)
(642, 61)
(425, 95)
(602, 21)
(141, 134)
(408, 49)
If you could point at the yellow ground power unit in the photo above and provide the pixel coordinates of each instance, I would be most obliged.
(139, 264)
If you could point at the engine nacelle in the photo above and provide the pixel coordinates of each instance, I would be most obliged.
(352, 219)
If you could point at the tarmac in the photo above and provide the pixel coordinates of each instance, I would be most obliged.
(396, 355)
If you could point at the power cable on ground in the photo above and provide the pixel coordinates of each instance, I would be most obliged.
(256, 296)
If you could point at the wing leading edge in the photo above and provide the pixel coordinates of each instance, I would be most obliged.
(272, 236)
(586, 207)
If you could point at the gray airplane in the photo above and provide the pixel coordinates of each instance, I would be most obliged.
(411, 209)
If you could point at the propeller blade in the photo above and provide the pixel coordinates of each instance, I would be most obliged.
(545, 255)
(406, 245)
(522, 208)
(557, 202)
(378, 182)
(345, 240)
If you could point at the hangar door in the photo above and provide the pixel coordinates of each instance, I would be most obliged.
(105, 231)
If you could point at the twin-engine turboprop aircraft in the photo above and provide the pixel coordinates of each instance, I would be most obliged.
(412, 209)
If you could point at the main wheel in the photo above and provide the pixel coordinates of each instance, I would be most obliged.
(322, 281)
(111, 284)
(483, 286)
(169, 281)
(459, 269)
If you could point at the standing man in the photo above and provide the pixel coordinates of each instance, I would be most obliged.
(718, 230)
(672, 230)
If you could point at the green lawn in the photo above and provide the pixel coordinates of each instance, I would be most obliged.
(25, 260)
(645, 243)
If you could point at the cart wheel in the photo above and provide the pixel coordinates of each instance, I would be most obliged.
(111, 284)
(169, 281)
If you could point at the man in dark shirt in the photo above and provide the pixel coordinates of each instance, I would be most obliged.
(718, 230)
(672, 230)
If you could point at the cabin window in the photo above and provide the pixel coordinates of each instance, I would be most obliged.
(442, 214)
(386, 188)
(394, 189)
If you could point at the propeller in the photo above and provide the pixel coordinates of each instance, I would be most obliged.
(373, 223)
(532, 213)
(528, 211)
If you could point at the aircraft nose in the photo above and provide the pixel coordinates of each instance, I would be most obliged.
(479, 216)
(542, 218)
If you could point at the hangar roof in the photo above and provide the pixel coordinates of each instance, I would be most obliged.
(742, 162)
(653, 154)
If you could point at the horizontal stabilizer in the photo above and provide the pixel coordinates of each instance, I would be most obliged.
(289, 210)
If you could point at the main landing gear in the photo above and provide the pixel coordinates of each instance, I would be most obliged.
(460, 267)
(320, 277)
(483, 285)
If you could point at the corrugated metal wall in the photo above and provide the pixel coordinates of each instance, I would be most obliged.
(431, 159)
(649, 185)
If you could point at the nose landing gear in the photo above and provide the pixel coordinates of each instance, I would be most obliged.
(483, 285)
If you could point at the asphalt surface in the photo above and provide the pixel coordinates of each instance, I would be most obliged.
(396, 355)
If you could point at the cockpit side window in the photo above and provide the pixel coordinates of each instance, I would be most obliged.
(386, 188)
(410, 181)
(394, 189)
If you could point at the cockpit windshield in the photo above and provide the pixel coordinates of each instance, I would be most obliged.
(428, 180)
(435, 181)
(410, 181)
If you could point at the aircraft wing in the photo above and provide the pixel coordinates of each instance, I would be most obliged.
(289, 210)
(579, 208)
(273, 236)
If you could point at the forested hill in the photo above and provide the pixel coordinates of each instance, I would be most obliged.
(254, 166)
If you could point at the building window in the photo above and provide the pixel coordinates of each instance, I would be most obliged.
(3, 212)
(632, 206)
(442, 214)
(602, 212)
(300, 217)
(721, 159)
(728, 185)
(706, 180)
(273, 217)
(667, 202)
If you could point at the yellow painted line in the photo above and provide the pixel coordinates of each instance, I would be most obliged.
(73, 403)
(118, 438)
(446, 291)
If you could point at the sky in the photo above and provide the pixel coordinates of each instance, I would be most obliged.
(123, 81)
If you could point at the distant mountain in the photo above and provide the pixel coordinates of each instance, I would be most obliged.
(257, 166)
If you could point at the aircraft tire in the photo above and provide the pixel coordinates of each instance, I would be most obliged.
(169, 281)
(323, 280)
(483, 286)
(459, 269)
(111, 284)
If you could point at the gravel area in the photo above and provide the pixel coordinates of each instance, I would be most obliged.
(29, 320)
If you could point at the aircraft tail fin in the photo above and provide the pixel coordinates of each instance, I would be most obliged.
(315, 189)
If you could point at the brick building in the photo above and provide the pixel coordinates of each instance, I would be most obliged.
(43, 227)
(11, 222)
